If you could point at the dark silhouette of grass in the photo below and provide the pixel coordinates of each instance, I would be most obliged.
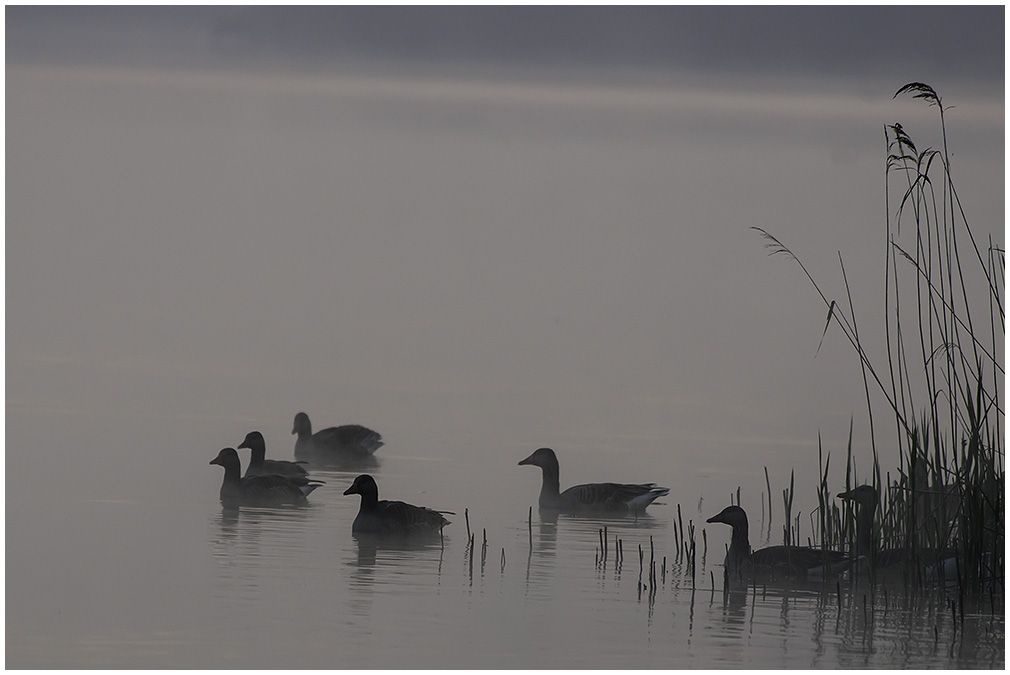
(942, 380)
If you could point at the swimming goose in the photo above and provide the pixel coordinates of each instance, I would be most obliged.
(262, 490)
(599, 497)
(796, 562)
(259, 466)
(385, 517)
(348, 439)
(932, 560)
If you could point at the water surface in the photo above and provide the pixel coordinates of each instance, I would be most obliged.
(167, 577)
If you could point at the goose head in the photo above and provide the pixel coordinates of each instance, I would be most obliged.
(363, 485)
(302, 426)
(226, 458)
(864, 495)
(252, 440)
(734, 516)
(544, 458)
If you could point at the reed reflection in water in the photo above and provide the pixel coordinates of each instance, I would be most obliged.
(439, 603)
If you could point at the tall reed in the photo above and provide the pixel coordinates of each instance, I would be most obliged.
(943, 380)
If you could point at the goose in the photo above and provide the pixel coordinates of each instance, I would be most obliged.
(796, 562)
(599, 497)
(394, 518)
(934, 561)
(347, 439)
(261, 490)
(259, 466)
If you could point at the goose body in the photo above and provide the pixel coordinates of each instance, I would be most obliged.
(349, 439)
(789, 562)
(591, 497)
(259, 465)
(259, 490)
(935, 562)
(377, 516)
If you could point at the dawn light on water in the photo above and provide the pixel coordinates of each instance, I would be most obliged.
(549, 320)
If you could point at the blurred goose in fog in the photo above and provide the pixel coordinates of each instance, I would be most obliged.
(395, 518)
(789, 562)
(261, 490)
(591, 497)
(941, 562)
(348, 439)
(260, 466)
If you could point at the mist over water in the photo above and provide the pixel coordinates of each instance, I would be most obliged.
(475, 268)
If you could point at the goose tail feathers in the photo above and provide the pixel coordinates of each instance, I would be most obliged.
(640, 502)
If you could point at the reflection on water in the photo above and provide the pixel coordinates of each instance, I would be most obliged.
(292, 587)
(413, 563)
(851, 626)
(316, 461)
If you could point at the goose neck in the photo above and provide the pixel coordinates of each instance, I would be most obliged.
(552, 484)
(232, 473)
(258, 456)
(739, 544)
(864, 529)
(369, 500)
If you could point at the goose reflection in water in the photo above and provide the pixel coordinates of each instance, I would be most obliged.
(375, 550)
(379, 557)
(352, 464)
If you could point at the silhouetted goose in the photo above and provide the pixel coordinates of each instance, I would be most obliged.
(260, 466)
(599, 497)
(385, 517)
(263, 490)
(796, 562)
(933, 561)
(348, 439)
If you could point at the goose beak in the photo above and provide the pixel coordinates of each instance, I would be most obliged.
(528, 460)
(351, 490)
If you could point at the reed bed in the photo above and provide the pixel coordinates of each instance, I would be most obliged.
(940, 383)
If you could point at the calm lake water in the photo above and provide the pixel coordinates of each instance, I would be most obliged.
(135, 564)
(474, 271)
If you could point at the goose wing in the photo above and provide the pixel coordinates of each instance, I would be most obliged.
(611, 496)
(406, 518)
(277, 489)
(278, 467)
(799, 561)
(349, 436)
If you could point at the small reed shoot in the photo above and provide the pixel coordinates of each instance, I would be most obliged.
(768, 484)
(530, 521)
(483, 552)
(787, 502)
(470, 558)
(680, 522)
